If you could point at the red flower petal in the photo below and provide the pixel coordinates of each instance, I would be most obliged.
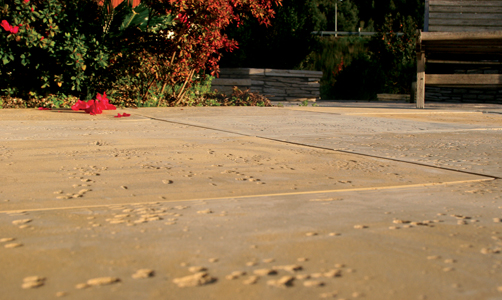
(6, 25)
(110, 107)
(95, 107)
(14, 29)
(80, 105)
(44, 108)
(122, 115)
(105, 102)
(89, 104)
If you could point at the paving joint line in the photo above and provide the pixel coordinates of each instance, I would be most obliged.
(325, 148)
(411, 113)
(386, 113)
(378, 188)
(384, 158)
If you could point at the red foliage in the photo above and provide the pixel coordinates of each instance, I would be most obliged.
(12, 29)
(202, 39)
(115, 3)
(198, 36)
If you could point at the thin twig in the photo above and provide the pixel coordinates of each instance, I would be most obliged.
(182, 91)
(146, 92)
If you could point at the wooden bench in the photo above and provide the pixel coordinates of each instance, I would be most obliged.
(459, 32)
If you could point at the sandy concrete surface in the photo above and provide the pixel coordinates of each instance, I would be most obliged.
(341, 201)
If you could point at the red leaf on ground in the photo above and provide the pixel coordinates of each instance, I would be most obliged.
(95, 107)
(80, 105)
(122, 115)
(105, 102)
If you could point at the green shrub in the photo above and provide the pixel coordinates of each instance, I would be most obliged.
(126, 92)
(58, 47)
(395, 54)
(147, 56)
(358, 68)
(348, 72)
(237, 98)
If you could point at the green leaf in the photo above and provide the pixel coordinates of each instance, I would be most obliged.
(137, 18)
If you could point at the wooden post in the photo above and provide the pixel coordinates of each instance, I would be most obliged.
(426, 16)
(413, 93)
(420, 79)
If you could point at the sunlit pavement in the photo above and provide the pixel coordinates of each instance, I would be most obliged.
(344, 200)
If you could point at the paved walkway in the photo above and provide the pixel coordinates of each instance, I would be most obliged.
(342, 201)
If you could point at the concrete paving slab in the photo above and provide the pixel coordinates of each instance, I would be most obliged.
(250, 203)
(286, 122)
(458, 139)
(87, 162)
(474, 149)
(430, 242)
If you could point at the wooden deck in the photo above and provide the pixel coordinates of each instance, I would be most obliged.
(459, 32)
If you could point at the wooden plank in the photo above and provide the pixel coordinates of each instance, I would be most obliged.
(458, 62)
(426, 16)
(444, 28)
(466, 22)
(465, 16)
(421, 78)
(474, 42)
(464, 79)
(450, 36)
(471, 47)
(465, 44)
(433, 3)
(461, 9)
(489, 54)
(418, 45)
(461, 56)
(465, 51)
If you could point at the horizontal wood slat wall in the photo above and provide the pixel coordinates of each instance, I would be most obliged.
(465, 3)
(469, 9)
(463, 79)
(464, 15)
(455, 32)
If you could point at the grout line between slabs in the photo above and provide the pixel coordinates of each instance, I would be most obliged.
(383, 188)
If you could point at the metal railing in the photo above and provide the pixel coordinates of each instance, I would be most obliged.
(343, 33)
